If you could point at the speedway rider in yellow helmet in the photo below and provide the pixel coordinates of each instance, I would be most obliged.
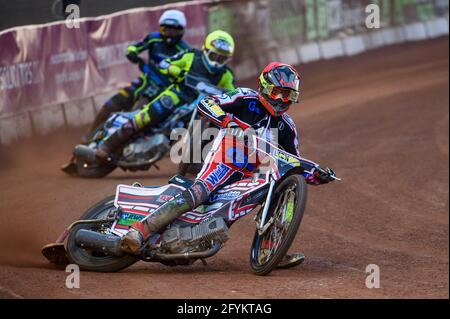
(217, 50)
(210, 64)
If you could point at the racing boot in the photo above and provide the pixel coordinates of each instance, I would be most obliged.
(291, 260)
(116, 140)
(140, 231)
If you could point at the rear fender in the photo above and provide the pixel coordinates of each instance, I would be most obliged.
(136, 203)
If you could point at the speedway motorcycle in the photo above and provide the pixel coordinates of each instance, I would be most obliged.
(146, 149)
(277, 190)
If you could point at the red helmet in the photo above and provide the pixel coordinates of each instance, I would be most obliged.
(279, 85)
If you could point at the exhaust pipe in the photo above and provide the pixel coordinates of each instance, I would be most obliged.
(193, 255)
(91, 240)
(84, 152)
(88, 239)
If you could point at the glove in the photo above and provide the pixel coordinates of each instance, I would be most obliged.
(233, 124)
(133, 57)
(176, 72)
(324, 176)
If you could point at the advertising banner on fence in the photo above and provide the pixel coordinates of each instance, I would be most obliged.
(52, 63)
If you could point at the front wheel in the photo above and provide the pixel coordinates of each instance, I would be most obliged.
(95, 261)
(286, 212)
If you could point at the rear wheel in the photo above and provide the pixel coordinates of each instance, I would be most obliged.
(95, 261)
(95, 169)
(286, 212)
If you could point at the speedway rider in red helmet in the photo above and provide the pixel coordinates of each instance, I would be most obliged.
(262, 110)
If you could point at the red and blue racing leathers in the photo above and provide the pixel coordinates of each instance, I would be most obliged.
(243, 107)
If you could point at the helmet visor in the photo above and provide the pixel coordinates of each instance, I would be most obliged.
(284, 77)
(222, 46)
(171, 31)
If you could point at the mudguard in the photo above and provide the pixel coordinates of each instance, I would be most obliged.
(230, 202)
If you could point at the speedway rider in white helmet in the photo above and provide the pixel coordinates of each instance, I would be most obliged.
(160, 45)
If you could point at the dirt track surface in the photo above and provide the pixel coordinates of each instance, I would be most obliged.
(381, 120)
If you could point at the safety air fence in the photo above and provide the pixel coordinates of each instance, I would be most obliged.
(54, 76)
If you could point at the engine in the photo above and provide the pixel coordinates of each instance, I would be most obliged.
(197, 238)
(146, 148)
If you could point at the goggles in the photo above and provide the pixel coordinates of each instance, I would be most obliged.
(217, 58)
(171, 31)
(285, 95)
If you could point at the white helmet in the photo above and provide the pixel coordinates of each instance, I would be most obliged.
(174, 18)
(171, 26)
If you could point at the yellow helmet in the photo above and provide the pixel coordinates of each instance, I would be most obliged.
(218, 50)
